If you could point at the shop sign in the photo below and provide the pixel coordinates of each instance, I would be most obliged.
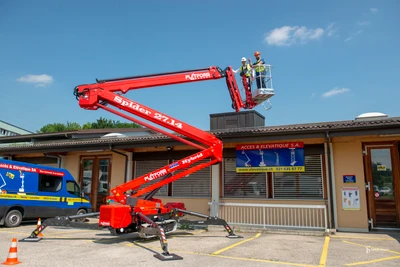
(349, 179)
(381, 168)
(275, 157)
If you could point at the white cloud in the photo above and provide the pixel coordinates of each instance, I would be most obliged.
(354, 34)
(335, 91)
(331, 29)
(363, 23)
(312, 96)
(38, 80)
(373, 9)
(348, 38)
(289, 35)
(279, 36)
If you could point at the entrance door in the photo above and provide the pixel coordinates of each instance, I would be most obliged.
(95, 179)
(382, 165)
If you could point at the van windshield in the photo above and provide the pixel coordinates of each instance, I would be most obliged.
(73, 188)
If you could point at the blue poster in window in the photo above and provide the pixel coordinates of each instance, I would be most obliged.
(277, 157)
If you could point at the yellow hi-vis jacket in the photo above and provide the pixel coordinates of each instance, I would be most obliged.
(246, 70)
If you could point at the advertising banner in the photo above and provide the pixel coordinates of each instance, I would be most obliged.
(277, 157)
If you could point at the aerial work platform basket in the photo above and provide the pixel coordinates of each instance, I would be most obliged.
(262, 89)
(261, 86)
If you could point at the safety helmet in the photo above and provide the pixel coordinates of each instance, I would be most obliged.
(243, 59)
(256, 53)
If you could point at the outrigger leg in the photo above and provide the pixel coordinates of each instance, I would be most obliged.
(156, 229)
(67, 221)
(209, 221)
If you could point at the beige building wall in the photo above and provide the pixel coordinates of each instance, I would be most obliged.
(71, 163)
(348, 160)
(117, 170)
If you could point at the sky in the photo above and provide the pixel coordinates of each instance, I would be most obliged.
(332, 60)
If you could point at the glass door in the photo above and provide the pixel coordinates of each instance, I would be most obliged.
(384, 185)
(86, 177)
(103, 181)
(95, 179)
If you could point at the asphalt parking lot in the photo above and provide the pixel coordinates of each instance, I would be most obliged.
(76, 247)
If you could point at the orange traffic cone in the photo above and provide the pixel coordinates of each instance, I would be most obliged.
(12, 254)
(39, 223)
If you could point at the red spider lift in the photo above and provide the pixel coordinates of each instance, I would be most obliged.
(131, 206)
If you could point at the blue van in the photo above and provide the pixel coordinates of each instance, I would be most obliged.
(29, 191)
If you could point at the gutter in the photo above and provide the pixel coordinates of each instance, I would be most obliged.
(331, 176)
(55, 157)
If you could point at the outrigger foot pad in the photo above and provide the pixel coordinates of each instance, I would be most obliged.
(234, 236)
(167, 257)
(31, 239)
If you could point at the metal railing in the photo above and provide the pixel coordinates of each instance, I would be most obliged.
(264, 78)
(261, 85)
(273, 215)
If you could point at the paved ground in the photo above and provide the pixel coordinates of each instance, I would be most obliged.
(75, 247)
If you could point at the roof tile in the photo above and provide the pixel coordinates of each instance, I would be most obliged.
(319, 126)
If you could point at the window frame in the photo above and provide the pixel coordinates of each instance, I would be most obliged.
(76, 186)
(41, 176)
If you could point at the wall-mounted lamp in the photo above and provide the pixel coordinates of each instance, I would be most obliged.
(169, 148)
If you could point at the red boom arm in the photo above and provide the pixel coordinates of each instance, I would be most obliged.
(104, 93)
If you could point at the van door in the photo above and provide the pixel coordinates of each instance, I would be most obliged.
(50, 189)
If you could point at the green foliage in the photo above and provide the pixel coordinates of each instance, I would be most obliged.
(382, 178)
(101, 123)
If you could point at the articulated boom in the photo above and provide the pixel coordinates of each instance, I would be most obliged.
(211, 148)
(104, 94)
(126, 84)
(148, 216)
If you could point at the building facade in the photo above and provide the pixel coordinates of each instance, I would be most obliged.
(7, 129)
(350, 180)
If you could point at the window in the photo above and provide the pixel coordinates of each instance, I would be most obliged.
(49, 183)
(197, 184)
(147, 166)
(301, 185)
(242, 185)
(73, 188)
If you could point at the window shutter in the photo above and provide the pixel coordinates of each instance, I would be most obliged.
(196, 184)
(147, 166)
(242, 185)
(301, 185)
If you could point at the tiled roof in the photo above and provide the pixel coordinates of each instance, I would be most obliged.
(282, 129)
(70, 134)
(317, 127)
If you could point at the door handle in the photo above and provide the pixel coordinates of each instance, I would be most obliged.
(368, 186)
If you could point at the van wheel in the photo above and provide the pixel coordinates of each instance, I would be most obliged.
(13, 218)
(80, 212)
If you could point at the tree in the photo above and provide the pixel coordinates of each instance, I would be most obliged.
(59, 127)
(381, 178)
(101, 123)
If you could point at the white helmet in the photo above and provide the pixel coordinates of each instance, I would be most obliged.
(244, 59)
